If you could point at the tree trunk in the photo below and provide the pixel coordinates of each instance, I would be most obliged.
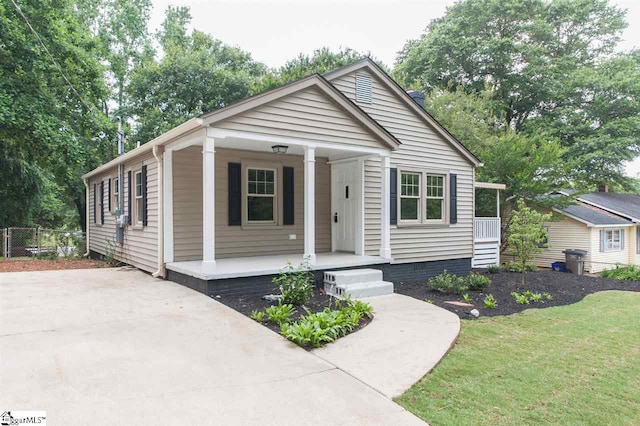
(524, 263)
(82, 212)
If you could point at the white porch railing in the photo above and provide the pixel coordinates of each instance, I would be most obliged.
(487, 229)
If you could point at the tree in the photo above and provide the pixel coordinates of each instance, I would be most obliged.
(196, 74)
(526, 234)
(549, 68)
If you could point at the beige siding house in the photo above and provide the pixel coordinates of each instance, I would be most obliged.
(604, 224)
(345, 169)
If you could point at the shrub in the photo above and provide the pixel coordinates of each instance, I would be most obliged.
(259, 316)
(627, 273)
(477, 282)
(517, 267)
(48, 255)
(493, 269)
(295, 284)
(520, 299)
(448, 283)
(490, 302)
(364, 309)
(528, 296)
(280, 314)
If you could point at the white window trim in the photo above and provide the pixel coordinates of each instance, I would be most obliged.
(423, 221)
(262, 165)
(137, 216)
(609, 245)
(444, 211)
(114, 194)
(419, 197)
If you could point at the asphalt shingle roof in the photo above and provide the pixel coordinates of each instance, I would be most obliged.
(594, 215)
(626, 204)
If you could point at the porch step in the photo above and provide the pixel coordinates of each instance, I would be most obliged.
(356, 283)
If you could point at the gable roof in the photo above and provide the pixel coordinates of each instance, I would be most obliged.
(313, 80)
(625, 205)
(392, 85)
(592, 216)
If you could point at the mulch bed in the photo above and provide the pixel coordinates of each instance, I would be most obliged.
(247, 304)
(565, 288)
(23, 265)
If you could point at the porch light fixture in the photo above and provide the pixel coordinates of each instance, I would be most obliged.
(279, 149)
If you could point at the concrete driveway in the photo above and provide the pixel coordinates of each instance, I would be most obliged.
(108, 345)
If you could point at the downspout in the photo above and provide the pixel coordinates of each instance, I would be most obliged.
(158, 156)
(86, 226)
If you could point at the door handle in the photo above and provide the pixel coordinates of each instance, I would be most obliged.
(335, 217)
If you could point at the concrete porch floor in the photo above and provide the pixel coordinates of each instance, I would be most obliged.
(267, 265)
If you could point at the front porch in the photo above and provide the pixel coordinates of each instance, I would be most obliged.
(238, 267)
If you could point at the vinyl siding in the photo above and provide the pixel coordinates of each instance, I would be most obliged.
(421, 148)
(308, 114)
(241, 241)
(563, 234)
(140, 247)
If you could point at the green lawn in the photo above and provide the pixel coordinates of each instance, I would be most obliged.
(569, 365)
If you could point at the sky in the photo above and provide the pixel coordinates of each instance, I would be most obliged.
(274, 31)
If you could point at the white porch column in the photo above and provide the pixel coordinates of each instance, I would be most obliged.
(309, 203)
(208, 200)
(385, 209)
(168, 206)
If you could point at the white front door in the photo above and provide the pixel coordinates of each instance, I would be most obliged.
(345, 196)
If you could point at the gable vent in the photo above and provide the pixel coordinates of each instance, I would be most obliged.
(363, 88)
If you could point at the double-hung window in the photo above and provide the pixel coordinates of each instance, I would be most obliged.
(435, 197)
(138, 198)
(115, 190)
(410, 196)
(613, 240)
(261, 195)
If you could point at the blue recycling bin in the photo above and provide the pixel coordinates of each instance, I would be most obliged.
(559, 266)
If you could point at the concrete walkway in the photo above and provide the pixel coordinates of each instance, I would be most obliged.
(406, 339)
(104, 345)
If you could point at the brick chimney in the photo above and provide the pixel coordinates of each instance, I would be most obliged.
(603, 188)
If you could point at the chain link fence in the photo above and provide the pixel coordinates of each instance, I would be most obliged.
(42, 243)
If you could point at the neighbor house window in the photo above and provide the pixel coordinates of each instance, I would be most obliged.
(613, 240)
(410, 196)
(114, 192)
(435, 197)
(138, 197)
(261, 195)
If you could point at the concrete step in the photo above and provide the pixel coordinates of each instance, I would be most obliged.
(360, 290)
(351, 276)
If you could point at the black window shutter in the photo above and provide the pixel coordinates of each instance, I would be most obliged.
(109, 194)
(102, 202)
(235, 194)
(144, 196)
(453, 198)
(287, 196)
(393, 196)
(130, 201)
(95, 203)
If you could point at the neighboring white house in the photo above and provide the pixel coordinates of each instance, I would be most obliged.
(346, 169)
(603, 223)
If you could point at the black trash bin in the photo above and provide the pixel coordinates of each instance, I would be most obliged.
(574, 258)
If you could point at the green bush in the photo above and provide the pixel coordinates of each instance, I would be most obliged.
(295, 284)
(517, 267)
(280, 314)
(448, 283)
(626, 273)
(490, 302)
(477, 282)
(316, 329)
(493, 269)
(48, 255)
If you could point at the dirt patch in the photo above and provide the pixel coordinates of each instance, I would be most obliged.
(23, 265)
(565, 289)
(248, 304)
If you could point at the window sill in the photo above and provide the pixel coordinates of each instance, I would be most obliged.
(260, 226)
(423, 225)
(136, 227)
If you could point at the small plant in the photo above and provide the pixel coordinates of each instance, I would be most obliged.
(528, 294)
(429, 301)
(110, 254)
(295, 284)
(466, 298)
(520, 299)
(626, 273)
(517, 267)
(493, 269)
(364, 309)
(547, 296)
(536, 297)
(490, 302)
(47, 255)
(280, 314)
(259, 316)
(448, 283)
(477, 282)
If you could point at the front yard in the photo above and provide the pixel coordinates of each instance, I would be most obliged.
(574, 364)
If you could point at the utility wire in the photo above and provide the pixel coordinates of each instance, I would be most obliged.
(64, 76)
